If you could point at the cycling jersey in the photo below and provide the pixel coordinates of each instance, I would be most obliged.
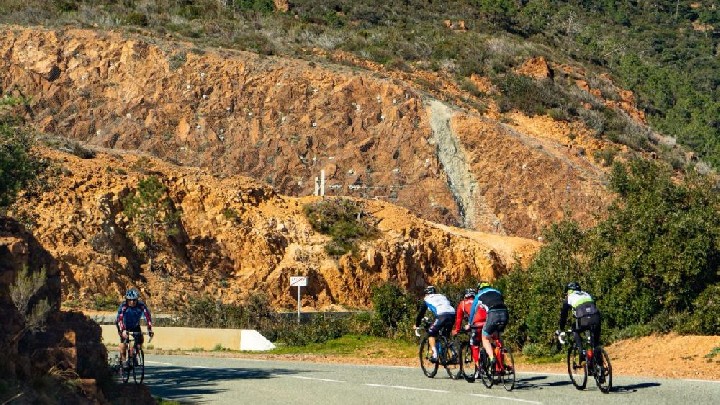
(128, 318)
(490, 299)
(438, 304)
(587, 316)
(463, 311)
(582, 305)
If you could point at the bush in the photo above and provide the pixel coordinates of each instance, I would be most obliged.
(705, 318)
(392, 306)
(344, 220)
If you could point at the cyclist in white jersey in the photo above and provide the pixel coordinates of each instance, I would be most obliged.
(444, 314)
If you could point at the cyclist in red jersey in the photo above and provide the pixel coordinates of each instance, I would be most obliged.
(463, 312)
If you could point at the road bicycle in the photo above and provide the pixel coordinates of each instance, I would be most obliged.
(504, 370)
(448, 352)
(593, 360)
(135, 357)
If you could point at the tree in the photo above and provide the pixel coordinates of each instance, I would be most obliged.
(18, 164)
(152, 215)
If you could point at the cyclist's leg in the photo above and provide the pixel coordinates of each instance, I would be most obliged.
(433, 332)
(475, 342)
(576, 329)
(487, 331)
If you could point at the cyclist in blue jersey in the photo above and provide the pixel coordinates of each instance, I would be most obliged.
(444, 314)
(492, 301)
(128, 320)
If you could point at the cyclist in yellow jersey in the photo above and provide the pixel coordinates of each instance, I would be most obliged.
(586, 313)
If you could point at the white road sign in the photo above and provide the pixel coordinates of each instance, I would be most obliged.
(300, 281)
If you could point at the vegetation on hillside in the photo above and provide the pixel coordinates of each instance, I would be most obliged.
(652, 264)
(19, 165)
(344, 220)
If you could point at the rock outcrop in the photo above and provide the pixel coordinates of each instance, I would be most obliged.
(237, 237)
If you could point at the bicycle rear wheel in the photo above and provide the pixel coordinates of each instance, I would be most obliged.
(428, 367)
(508, 372)
(577, 370)
(139, 366)
(467, 364)
(602, 370)
(486, 370)
(451, 358)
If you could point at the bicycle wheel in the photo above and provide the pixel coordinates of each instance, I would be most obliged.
(139, 366)
(508, 373)
(427, 366)
(577, 370)
(486, 370)
(467, 365)
(602, 370)
(451, 358)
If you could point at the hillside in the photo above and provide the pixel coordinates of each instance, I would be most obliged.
(236, 237)
(282, 121)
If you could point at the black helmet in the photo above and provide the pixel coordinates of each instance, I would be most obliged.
(132, 294)
(430, 290)
(572, 286)
(470, 292)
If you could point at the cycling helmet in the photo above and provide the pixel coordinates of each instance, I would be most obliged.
(132, 294)
(470, 292)
(572, 286)
(483, 284)
(430, 290)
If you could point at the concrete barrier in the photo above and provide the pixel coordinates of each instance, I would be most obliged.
(171, 338)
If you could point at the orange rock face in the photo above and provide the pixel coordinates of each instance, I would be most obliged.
(237, 237)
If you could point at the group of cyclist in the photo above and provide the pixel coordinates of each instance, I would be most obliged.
(485, 313)
(483, 309)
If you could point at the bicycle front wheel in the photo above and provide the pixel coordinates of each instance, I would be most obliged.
(428, 367)
(576, 369)
(508, 366)
(451, 359)
(603, 370)
(139, 367)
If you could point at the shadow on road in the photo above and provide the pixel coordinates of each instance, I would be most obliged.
(529, 383)
(628, 389)
(190, 384)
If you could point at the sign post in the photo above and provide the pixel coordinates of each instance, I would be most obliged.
(298, 281)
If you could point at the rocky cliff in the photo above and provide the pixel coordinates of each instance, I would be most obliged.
(237, 236)
(283, 121)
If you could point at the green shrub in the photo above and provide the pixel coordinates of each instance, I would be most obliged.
(705, 318)
(344, 220)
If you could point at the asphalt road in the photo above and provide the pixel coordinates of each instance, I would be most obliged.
(209, 380)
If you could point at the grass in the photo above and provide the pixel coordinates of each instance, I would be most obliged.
(355, 346)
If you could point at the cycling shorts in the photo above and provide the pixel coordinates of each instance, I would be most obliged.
(496, 321)
(443, 322)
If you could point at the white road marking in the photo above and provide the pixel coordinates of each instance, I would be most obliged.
(158, 362)
(403, 387)
(506, 398)
(300, 377)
